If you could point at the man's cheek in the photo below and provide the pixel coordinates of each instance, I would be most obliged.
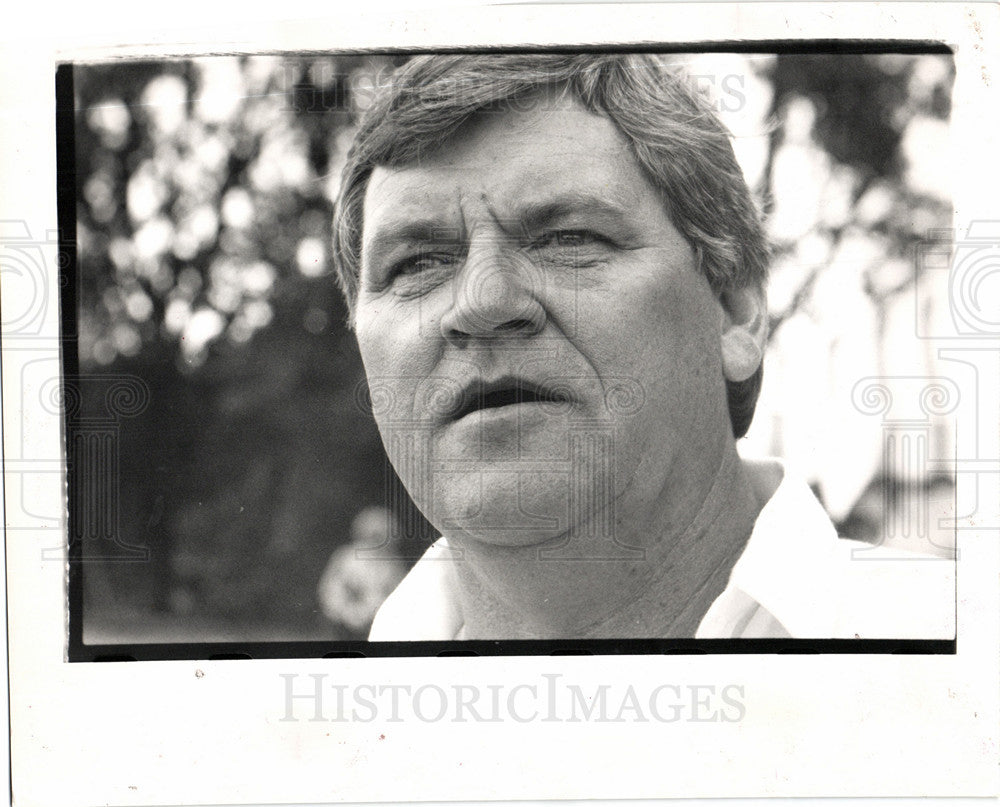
(378, 343)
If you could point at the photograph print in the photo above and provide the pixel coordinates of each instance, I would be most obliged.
(509, 347)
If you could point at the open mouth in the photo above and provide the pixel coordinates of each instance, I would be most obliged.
(506, 392)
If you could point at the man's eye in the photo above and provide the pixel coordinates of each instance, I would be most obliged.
(416, 264)
(569, 238)
(575, 238)
(574, 248)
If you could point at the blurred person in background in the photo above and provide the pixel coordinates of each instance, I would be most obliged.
(361, 574)
(556, 275)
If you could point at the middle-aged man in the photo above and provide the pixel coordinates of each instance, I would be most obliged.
(555, 272)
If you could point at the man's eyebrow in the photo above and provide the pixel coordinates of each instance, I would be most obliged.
(394, 234)
(546, 212)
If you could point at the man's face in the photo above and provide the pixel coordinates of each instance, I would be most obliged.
(543, 353)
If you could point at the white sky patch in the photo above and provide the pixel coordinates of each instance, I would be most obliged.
(222, 88)
(926, 148)
(177, 314)
(110, 119)
(164, 101)
(310, 257)
(203, 327)
(237, 208)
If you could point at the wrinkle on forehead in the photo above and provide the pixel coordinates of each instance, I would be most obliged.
(498, 161)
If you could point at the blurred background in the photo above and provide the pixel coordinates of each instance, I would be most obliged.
(249, 477)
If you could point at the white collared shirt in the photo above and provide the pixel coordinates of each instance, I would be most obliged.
(795, 578)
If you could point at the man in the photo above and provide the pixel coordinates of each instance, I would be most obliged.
(555, 272)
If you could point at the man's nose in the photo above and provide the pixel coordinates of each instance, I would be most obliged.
(496, 294)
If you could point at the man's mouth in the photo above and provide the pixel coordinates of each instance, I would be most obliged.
(503, 392)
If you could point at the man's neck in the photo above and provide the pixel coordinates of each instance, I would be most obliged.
(667, 568)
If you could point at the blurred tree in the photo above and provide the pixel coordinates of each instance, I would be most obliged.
(856, 184)
(203, 222)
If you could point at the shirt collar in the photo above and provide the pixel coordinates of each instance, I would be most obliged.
(784, 567)
(781, 571)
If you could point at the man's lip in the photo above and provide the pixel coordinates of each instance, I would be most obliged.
(483, 395)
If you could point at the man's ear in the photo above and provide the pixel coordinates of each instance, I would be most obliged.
(744, 331)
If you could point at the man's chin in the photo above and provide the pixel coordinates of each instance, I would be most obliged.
(512, 508)
(500, 539)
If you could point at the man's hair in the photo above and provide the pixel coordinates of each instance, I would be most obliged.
(671, 130)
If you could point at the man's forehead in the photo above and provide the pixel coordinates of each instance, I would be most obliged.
(511, 160)
(403, 196)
